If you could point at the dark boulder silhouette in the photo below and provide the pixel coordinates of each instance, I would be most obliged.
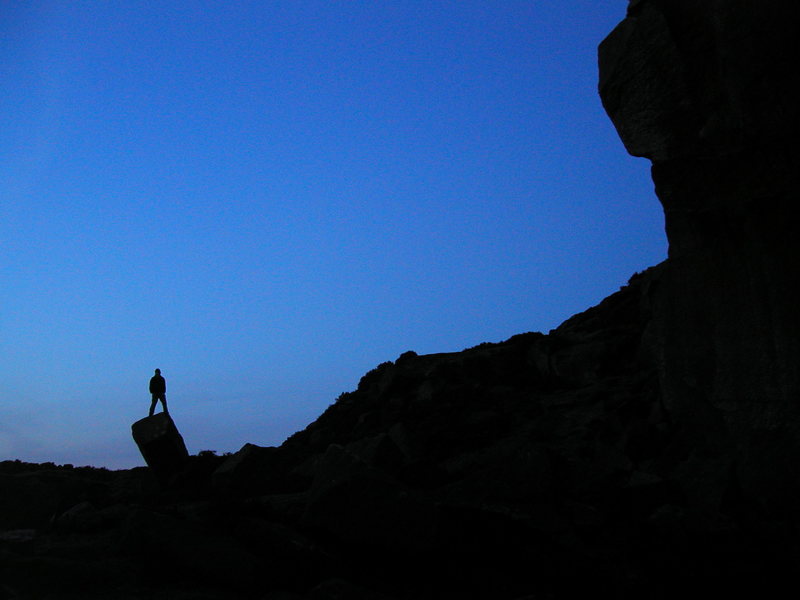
(645, 448)
(161, 445)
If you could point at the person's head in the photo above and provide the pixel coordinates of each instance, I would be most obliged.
(158, 371)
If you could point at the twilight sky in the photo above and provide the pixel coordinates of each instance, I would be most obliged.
(267, 199)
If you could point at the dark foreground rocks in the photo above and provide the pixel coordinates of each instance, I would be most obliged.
(646, 448)
(161, 445)
(546, 466)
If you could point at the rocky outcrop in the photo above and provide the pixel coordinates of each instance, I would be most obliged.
(708, 92)
(543, 465)
(161, 445)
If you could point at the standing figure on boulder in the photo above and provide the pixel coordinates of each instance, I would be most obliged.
(158, 388)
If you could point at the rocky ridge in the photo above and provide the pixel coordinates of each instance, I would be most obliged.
(498, 470)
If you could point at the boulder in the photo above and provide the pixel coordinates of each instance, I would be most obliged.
(248, 469)
(361, 505)
(161, 445)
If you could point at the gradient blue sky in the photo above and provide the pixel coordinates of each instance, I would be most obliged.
(268, 199)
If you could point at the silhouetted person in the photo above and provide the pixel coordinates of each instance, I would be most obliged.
(158, 388)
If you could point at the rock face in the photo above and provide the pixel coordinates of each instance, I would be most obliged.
(161, 445)
(708, 92)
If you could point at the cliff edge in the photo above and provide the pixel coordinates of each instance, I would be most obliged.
(708, 92)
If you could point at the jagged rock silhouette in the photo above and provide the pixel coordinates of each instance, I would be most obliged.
(705, 92)
(643, 448)
(161, 445)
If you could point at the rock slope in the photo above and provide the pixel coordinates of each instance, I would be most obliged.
(500, 471)
(543, 466)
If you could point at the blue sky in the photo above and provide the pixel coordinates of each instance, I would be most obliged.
(268, 199)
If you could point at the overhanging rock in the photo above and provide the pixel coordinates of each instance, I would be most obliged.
(161, 445)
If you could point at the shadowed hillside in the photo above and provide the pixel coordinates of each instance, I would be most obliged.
(546, 464)
(645, 447)
(500, 470)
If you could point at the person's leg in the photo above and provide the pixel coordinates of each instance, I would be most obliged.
(153, 404)
(164, 402)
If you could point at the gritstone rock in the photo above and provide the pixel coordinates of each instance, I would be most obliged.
(708, 92)
(161, 445)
